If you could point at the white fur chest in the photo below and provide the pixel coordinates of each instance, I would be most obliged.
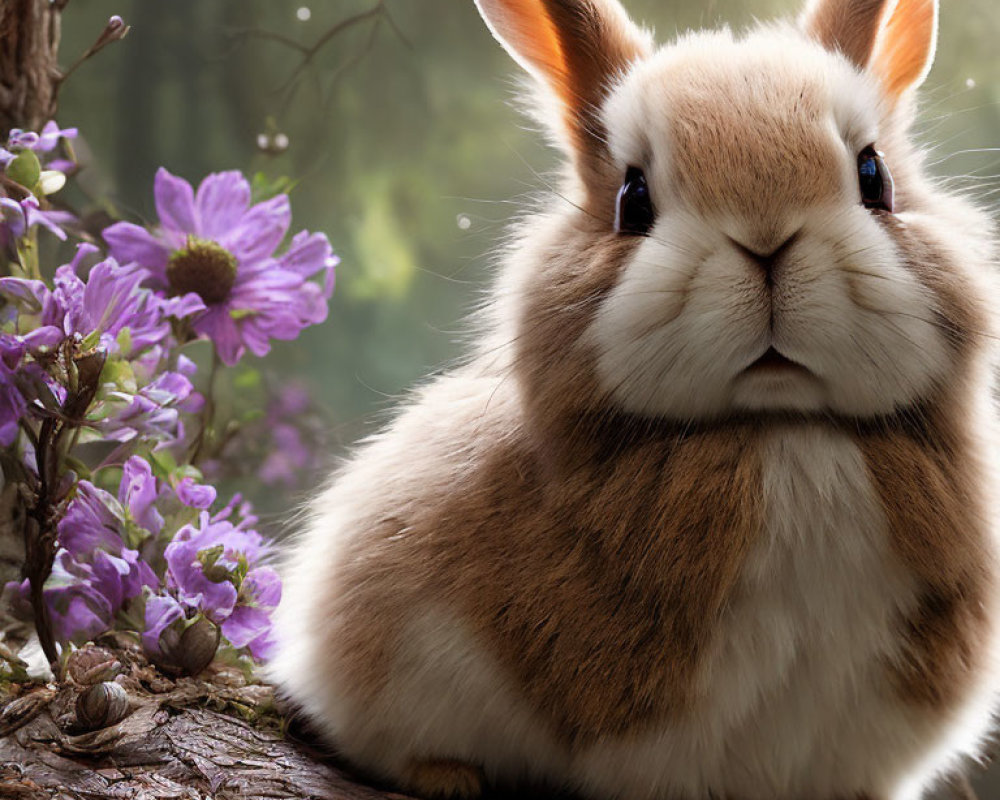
(794, 692)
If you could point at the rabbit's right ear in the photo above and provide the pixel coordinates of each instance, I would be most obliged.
(894, 40)
(574, 47)
(848, 26)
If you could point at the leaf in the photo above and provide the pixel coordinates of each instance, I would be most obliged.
(163, 463)
(25, 169)
(264, 188)
(119, 373)
(247, 379)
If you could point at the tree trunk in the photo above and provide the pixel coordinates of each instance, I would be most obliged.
(29, 62)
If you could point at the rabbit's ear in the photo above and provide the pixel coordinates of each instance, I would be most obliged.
(848, 26)
(906, 46)
(892, 39)
(574, 47)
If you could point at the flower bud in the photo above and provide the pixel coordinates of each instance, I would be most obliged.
(91, 665)
(114, 31)
(25, 169)
(51, 181)
(187, 652)
(102, 705)
(198, 645)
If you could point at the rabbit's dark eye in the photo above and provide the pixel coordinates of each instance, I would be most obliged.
(634, 213)
(877, 188)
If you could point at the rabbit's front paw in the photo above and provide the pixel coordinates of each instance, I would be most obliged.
(444, 779)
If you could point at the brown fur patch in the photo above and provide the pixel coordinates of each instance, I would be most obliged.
(444, 779)
(923, 466)
(785, 158)
(927, 483)
(596, 590)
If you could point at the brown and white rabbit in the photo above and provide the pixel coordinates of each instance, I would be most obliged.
(711, 512)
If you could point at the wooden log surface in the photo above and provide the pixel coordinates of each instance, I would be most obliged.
(190, 740)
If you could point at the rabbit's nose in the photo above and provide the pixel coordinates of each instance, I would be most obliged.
(766, 261)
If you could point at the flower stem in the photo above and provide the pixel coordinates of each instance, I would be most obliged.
(42, 519)
(40, 539)
(207, 413)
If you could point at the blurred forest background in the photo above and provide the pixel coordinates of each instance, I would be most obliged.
(405, 149)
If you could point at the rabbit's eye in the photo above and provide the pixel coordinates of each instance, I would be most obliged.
(634, 213)
(877, 187)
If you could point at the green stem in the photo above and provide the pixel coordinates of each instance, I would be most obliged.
(198, 447)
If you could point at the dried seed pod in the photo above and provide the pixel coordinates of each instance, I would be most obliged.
(91, 665)
(102, 705)
(197, 646)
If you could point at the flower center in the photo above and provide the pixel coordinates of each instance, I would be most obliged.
(203, 267)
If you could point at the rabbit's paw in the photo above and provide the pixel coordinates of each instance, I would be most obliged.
(444, 779)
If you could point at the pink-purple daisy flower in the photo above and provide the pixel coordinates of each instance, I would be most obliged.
(214, 243)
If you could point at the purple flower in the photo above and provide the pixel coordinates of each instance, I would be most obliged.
(250, 624)
(12, 401)
(195, 495)
(16, 218)
(201, 560)
(218, 246)
(162, 611)
(109, 302)
(94, 575)
(152, 412)
(292, 399)
(43, 142)
(39, 315)
(78, 609)
(89, 523)
(215, 596)
(138, 492)
(289, 456)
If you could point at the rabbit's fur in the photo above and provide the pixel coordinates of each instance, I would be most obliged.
(607, 553)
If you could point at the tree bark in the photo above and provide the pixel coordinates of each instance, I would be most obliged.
(181, 739)
(29, 62)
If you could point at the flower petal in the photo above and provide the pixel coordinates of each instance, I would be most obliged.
(263, 584)
(128, 242)
(222, 200)
(195, 495)
(174, 202)
(260, 231)
(161, 613)
(245, 624)
(307, 254)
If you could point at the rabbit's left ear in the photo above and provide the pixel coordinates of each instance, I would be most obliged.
(894, 40)
(574, 47)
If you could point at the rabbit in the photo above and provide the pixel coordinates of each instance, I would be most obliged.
(710, 509)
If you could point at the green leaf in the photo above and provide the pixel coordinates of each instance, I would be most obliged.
(91, 340)
(247, 379)
(264, 188)
(119, 373)
(81, 469)
(163, 464)
(125, 341)
(25, 169)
